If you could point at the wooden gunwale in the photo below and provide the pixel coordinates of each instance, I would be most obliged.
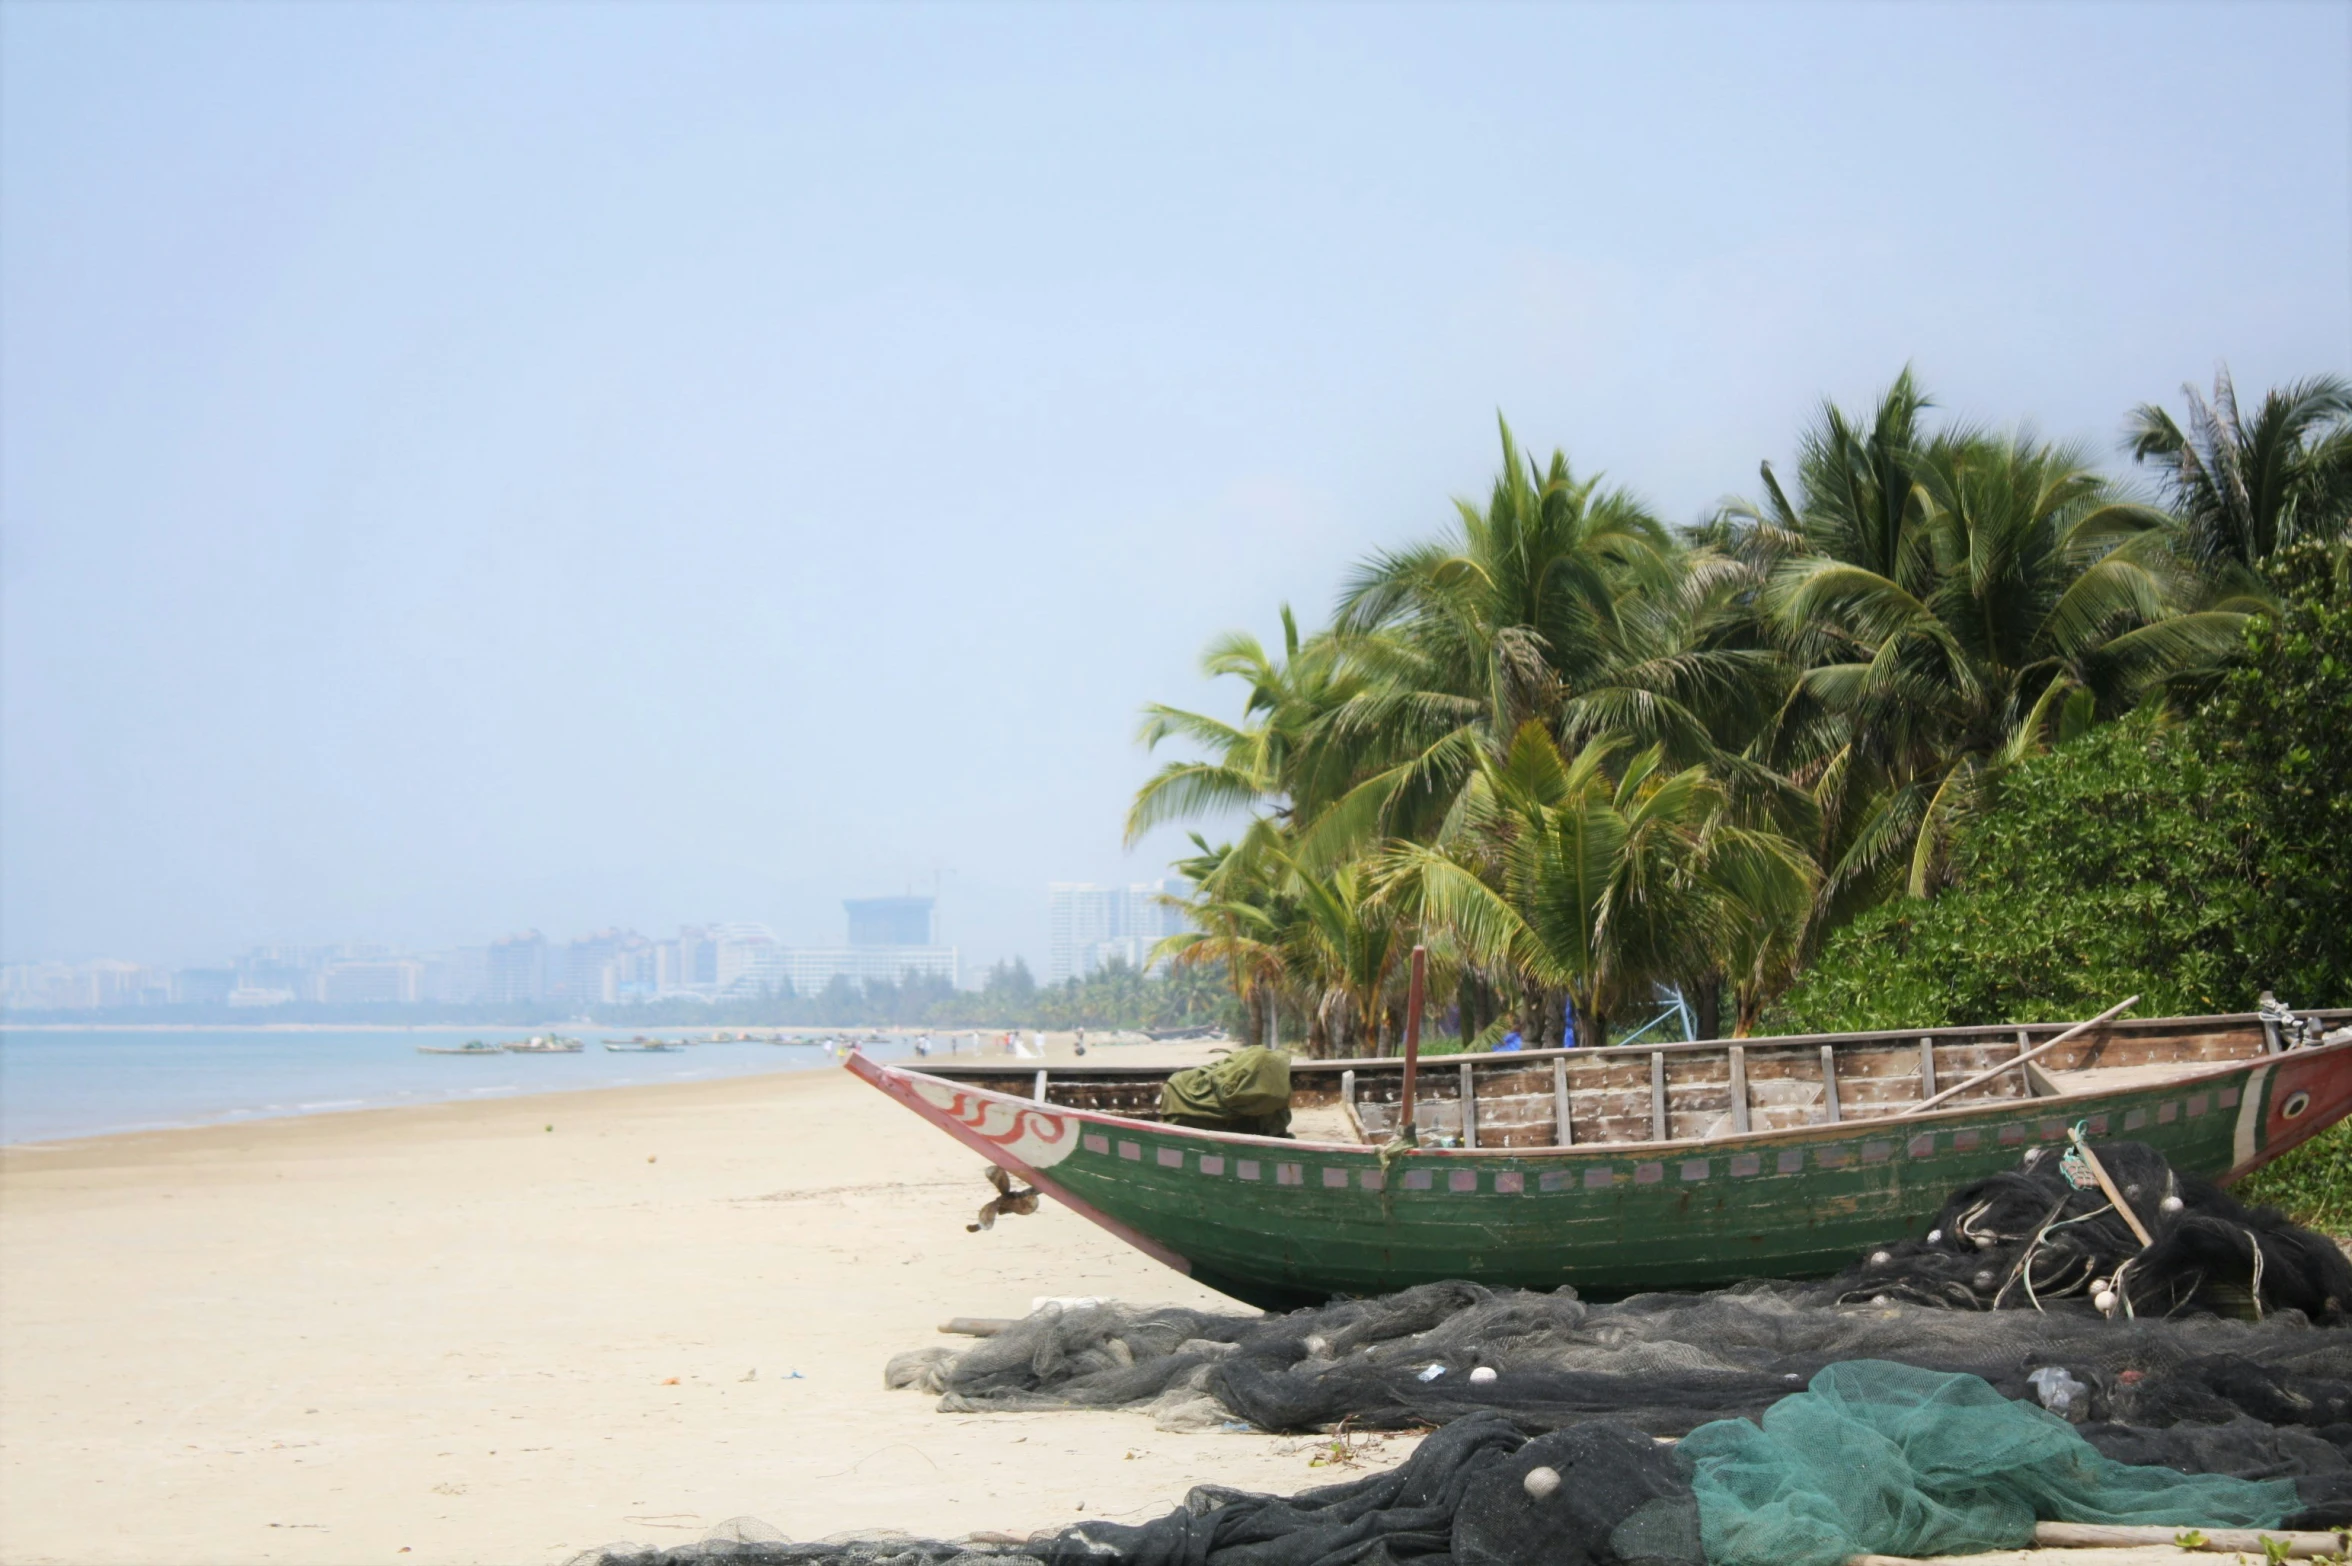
(2007, 1033)
(1829, 1131)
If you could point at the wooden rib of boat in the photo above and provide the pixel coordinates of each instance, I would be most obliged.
(1617, 1170)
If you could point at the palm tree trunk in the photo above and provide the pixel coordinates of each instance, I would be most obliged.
(1592, 1028)
(1706, 998)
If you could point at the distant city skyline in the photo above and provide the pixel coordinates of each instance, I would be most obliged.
(887, 939)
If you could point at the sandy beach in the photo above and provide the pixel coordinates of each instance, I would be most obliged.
(450, 1334)
(506, 1332)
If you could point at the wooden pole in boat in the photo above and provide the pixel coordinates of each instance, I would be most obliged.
(2013, 1063)
(1405, 1127)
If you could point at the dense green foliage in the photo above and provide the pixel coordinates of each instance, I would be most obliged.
(2193, 864)
(2092, 873)
(2281, 729)
(1864, 730)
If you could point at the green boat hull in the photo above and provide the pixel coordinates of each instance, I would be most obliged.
(1279, 1223)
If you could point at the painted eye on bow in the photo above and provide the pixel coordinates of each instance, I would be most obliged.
(2295, 1105)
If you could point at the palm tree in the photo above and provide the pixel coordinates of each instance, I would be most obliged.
(1952, 603)
(1526, 605)
(1345, 946)
(1268, 760)
(1238, 923)
(2244, 488)
(1589, 884)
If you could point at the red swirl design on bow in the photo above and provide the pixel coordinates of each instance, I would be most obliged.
(973, 1113)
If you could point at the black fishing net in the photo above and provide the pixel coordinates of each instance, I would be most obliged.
(2029, 1358)
(1872, 1458)
(2048, 1231)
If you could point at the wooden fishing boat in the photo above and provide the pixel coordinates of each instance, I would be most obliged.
(1666, 1166)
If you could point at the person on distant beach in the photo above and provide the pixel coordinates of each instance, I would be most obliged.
(1081, 1041)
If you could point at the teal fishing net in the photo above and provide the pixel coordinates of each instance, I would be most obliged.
(1880, 1458)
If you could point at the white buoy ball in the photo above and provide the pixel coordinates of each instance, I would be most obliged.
(2104, 1299)
(1878, 1299)
(1483, 1374)
(1541, 1482)
(2171, 1204)
(1935, 1236)
(1984, 1242)
(2032, 1153)
(1984, 1280)
(1880, 1258)
(1318, 1347)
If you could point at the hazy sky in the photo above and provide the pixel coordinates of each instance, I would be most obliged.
(468, 467)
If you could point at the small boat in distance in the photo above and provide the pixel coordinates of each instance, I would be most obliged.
(545, 1044)
(469, 1047)
(642, 1046)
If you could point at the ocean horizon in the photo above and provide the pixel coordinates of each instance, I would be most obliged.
(65, 1082)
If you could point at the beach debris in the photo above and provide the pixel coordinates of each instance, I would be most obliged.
(1008, 1200)
(1431, 1373)
(751, 1374)
(1541, 1482)
(977, 1326)
(673, 1381)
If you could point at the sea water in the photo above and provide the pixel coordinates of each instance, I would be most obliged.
(89, 1082)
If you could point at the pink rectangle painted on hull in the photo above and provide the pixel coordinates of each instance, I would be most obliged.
(1335, 1179)
(1132, 1151)
(2229, 1098)
(1288, 1174)
(1370, 1179)
(1462, 1180)
(1505, 1184)
(1247, 1169)
(1212, 1164)
(1171, 1157)
(1097, 1144)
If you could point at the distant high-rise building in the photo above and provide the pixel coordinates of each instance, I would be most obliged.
(376, 982)
(459, 976)
(1088, 925)
(889, 921)
(747, 959)
(517, 969)
(688, 965)
(202, 986)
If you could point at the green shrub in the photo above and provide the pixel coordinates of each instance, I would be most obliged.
(2280, 732)
(2094, 872)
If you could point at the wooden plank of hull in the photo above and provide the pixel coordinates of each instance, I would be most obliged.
(1277, 1222)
